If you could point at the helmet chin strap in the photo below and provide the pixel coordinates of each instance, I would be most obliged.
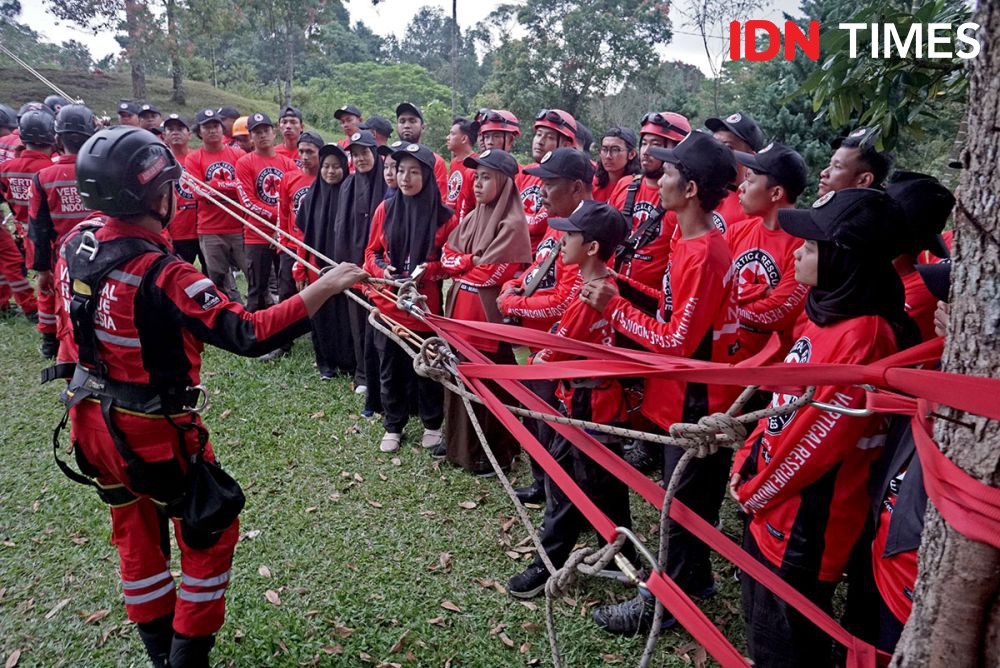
(165, 218)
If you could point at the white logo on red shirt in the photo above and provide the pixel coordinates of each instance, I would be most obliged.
(799, 353)
(531, 197)
(220, 170)
(756, 267)
(454, 185)
(268, 184)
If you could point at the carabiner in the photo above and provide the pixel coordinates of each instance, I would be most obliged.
(201, 405)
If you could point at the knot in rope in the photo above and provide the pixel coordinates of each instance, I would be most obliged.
(711, 432)
(408, 297)
(433, 360)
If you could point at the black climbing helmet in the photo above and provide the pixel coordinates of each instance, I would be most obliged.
(55, 103)
(37, 127)
(121, 171)
(76, 118)
(8, 117)
(32, 106)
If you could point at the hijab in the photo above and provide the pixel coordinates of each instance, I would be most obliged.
(852, 284)
(495, 232)
(411, 223)
(318, 211)
(362, 192)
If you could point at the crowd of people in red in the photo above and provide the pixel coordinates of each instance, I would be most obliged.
(687, 242)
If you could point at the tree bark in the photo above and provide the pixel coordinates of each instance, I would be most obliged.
(956, 617)
(134, 51)
(290, 57)
(176, 73)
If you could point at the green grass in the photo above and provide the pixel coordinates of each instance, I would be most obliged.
(352, 578)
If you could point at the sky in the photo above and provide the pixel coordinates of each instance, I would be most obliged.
(392, 16)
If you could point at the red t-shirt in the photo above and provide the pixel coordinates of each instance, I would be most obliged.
(554, 293)
(466, 284)
(217, 169)
(728, 213)
(696, 318)
(294, 187)
(605, 194)
(895, 576)
(768, 298)
(184, 226)
(920, 304)
(459, 195)
(259, 180)
(290, 153)
(530, 188)
(650, 260)
(806, 483)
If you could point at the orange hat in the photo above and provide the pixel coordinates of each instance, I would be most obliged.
(240, 127)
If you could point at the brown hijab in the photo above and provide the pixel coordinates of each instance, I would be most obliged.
(495, 233)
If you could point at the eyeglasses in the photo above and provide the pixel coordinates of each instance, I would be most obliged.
(660, 120)
(554, 117)
(610, 150)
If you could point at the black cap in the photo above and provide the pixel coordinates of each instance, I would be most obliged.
(865, 137)
(362, 138)
(926, 205)
(335, 150)
(146, 108)
(781, 163)
(564, 163)
(207, 116)
(377, 124)
(740, 124)
(128, 107)
(290, 111)
(347, 109)
(228, 111)
(389, 149)
(937, 278)
(494, 158)
(409, 107)
(708, 160)
(175, 118)
(258, 118)
(858, 219)
(597, 221)
(418, 151)
(311, 137)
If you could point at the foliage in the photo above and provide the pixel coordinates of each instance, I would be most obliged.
(28, 44)
(902, 95)
(673, 86)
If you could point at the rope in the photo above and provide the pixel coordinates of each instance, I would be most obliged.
(38, 75)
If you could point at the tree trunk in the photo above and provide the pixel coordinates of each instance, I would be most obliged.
(134, 51)
(176, 74)
(956, 619)
(290, 57)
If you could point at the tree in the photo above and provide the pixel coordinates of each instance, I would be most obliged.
(173, 48)
(672, 86)
(572, 50)
(956, 615)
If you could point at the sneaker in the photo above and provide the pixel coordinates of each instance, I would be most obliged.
(529, 583)
(273, 355)
(326, 375)
(431, 438)
(630, 617)
(533, 493)
(367, 413)
(50, 345)
(440, 451)
(390, 442)
(644, 457)
(361, 389)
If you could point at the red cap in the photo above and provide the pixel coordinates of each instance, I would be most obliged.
(500, 120)
(666, 124)
(558, 120)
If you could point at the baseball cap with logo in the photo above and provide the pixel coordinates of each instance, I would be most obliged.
(926, 205)
(310, 137)
(564, 163)
(596, 221)
(418, 151)
(409, 108)
(494, 158)
(228, 112)
(258, 118)
(362, 138)
(174, 118)
(740, 124)
(389, 149)
(347, 109)
(862, 137)
(147, 108)
(290, 111)
(207, 116)
(858, 219)
(781, 163)
(706, 159)
(128, 107)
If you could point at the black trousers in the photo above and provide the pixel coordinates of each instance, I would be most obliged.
(260, 261)
(358, 318)
(541, 430)
(398, 377)
(373, 400)
(702, 488)
(189, 250)
(563, 522)
(777, 635)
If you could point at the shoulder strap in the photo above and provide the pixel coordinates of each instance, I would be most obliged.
(630, 193)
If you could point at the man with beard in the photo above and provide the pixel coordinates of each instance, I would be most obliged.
(410, 127)
(554, 128)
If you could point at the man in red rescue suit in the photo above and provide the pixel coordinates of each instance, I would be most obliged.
(38, 134)
(539, 297)
(54, 209)
(554, 128)
(498, 128)
(740, 132)
(138, 318)
(696, 319)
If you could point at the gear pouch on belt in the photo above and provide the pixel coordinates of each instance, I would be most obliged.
(212, 502)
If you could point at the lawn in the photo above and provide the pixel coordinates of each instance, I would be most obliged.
(348, 557)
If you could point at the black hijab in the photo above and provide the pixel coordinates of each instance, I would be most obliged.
(411, 224)
(318, 210)
(852, 284)
(362, 193)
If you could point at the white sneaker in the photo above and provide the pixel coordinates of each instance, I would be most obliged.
(390, 442)
(361, 389)
(431, 438)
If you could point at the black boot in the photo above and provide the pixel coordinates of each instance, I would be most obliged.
(190, 652)
(157, 636)
(533, 493)
(50, 345)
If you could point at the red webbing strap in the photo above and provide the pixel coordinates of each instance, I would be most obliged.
(673, 598)
(969, 505)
